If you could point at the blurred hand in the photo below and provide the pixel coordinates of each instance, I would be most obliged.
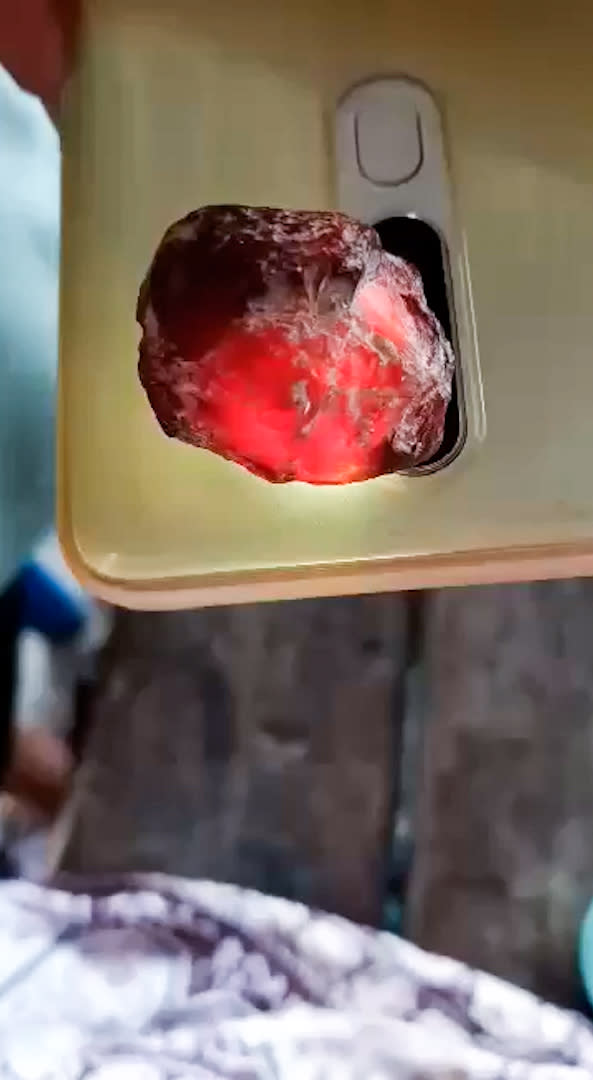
(40, 770)
(36, 44)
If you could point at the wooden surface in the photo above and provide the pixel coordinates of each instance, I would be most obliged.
(262, 745)
(504, 850)
(255, 744)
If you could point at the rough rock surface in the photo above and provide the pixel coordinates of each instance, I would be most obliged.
(293, 344)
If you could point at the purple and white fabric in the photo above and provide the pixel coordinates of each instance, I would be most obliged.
(156, 978)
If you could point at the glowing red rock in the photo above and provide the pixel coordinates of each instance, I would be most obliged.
(291, 343)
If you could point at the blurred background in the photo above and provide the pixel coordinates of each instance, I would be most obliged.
(419, 761)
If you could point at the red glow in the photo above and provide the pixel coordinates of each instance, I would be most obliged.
(292, 345)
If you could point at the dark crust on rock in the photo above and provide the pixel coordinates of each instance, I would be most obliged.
(231, 254)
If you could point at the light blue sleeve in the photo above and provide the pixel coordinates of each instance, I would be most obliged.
(29, 268)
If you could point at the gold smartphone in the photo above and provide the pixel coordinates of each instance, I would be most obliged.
(180, 104)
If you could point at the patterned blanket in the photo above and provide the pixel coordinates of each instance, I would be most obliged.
(156, 978)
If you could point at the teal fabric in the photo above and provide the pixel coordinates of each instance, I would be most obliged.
(585, 953)
(29, 267)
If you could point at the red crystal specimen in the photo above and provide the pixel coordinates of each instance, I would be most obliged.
(291, 343)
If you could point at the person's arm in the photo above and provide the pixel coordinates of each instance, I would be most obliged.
(36, 41)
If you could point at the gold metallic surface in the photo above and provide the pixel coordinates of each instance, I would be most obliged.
(183, 103)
